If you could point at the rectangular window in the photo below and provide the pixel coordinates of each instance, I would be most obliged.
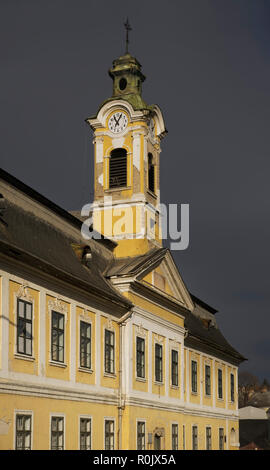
(208, 439)
(207, 380)
(85, 434)
(194, 437)
(24, 327)
(23, 432)
(109, 435)
(118, 168)
(140, 355)
(158, 362)
(140, 435)
(174, 436)
(220, 386)
(221, 439)
(57, 338)
(57, 433)
(194, 376)
(232, 387)
(174, 367)
(85, 345)
(109, 352)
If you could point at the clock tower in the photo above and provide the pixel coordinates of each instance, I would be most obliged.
(127, 136)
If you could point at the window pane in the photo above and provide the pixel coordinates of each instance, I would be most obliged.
(28, 347)
(21, 308)
(61, 322)
(54, 320)
(28, 330)
(28, 311)
(21, 345)
(61, 339)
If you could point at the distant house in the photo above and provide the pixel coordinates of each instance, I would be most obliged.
(254, 429)
(260, 400)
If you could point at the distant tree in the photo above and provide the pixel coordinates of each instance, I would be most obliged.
(247, 385)
(266, 384)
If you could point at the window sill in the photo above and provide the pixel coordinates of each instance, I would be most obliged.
(58, 364)
(158, 383)
(141, 379)
(175, 387)
(220, 399)
(85, 369)
(112, 375)
(194, 393)
(24, 357)
(120, 188)
(207, 396)
(152, 194)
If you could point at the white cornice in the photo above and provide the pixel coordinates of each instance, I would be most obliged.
(110, 106)
(145, 314)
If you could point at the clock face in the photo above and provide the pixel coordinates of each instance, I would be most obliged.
(118, 122)
(152, 128)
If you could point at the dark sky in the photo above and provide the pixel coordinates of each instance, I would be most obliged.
(207, 64)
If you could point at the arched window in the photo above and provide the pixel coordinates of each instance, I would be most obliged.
(118, 168)
(151, 173)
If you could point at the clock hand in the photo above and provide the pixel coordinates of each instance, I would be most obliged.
(119, 119)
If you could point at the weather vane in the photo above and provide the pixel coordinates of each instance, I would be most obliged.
(128, 28)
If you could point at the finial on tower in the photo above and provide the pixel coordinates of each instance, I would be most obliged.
(128, 28)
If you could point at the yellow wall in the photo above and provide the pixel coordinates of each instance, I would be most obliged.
(155, 309)
(43, 408)
(157, 419)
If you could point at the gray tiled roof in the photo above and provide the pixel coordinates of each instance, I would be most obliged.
(25, 232)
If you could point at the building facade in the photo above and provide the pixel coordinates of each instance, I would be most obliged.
(102, 345)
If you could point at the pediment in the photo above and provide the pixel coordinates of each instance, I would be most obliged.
(165, 278)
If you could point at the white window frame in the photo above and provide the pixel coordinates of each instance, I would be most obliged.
(222, 397)
(141, 379)
(175, 423)
(81, 368)
(211, 437)
(175, 348)
(79, 428)
(141, 420)
(194, 425)
(197, 376)
(160, 343)
(25, 413)
(109, 418)
(30, 300)
(57, 415)
(64, 312)
(112, 330)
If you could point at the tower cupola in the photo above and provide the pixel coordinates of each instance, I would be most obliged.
(127, 76)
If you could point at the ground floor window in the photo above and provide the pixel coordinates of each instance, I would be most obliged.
(57, 433)
(208, 438)
(141, 435)
(109, 434)
(174, 436)
(23, 432)
(195, 437)
(221, 439)
(85, 434)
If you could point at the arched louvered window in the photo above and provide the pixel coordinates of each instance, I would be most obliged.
(118, 168)
(151, 173)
